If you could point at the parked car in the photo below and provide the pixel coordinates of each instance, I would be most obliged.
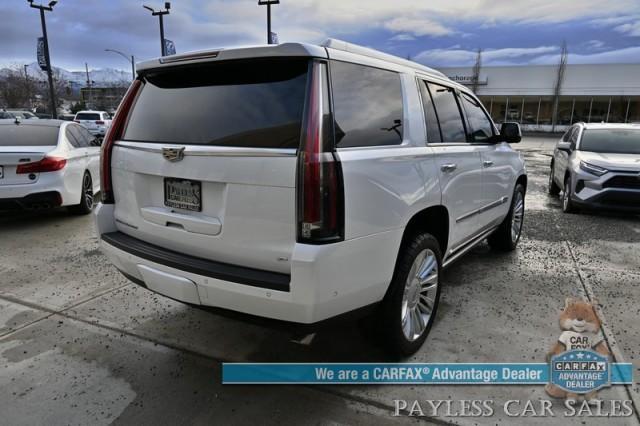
(23, 115)
(96, 122)
(597, 166)
(47, 163)
(67, 117)
(309, 189)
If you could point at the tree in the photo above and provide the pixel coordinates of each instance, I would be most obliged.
(562, 65)
(475, 79)
(16, 88)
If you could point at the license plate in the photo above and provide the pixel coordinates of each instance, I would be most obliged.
(1, 172)
(183, 194)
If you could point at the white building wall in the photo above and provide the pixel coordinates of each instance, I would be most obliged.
(539, 80)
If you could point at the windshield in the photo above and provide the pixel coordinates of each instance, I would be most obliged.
(611, 141)
(25, 135)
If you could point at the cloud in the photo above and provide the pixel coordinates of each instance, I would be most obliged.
(630, 29)
(461, 57)
(402, 37)
(619, 56)
(417, 27)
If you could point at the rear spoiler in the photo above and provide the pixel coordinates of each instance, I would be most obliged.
(204, 56)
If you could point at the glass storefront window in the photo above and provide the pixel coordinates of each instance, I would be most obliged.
(530, 112)
(498, 108)
(599, 109)
(618, 109)
(546, 110)
(634, 111)
(581, 109)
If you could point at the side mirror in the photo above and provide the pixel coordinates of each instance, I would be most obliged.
(564, 146)
(510, 132)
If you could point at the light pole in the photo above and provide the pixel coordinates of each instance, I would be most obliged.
(268, 3)
(128, 58)
(160, 14)
(42, 9)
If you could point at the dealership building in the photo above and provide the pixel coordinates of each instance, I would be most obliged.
(589, 93)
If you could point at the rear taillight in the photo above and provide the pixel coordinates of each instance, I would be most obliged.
(320, 189)
(113, 134)
(47, 164)
(100, 122)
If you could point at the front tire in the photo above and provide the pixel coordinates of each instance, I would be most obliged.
(508, 233)
(86, 197)
(409, 308)
(567, 204)
(554, 189)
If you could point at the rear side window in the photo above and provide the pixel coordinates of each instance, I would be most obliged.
(88, 116)
(481, 126)
(367, 105)
(430, 115)
(25, 135)
(257, 104)
(451, 124)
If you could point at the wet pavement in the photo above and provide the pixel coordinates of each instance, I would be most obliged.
(79, 344)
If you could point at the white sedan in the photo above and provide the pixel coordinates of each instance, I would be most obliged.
(46, 164)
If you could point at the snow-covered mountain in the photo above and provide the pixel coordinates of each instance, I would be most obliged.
(79, 78)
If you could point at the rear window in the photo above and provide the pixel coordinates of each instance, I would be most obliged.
(25, 135)
(257, 104)
(87, 116)
(612, 141)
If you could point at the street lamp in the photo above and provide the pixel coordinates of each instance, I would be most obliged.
(268, 3)
(128, 58)
(47, 58)
(160, 14)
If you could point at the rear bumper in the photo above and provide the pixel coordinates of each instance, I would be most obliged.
(38, 200)
(325, 281)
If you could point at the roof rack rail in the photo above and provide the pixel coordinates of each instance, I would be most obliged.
(336, 44)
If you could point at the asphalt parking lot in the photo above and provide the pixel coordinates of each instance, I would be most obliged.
(79, 344)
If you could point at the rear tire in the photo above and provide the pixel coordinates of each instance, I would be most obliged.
(409, 308)
(508, 233)
(567, 204)
(86, 197)
(554, 189)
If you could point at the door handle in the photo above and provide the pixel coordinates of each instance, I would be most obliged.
(487, 163)
(448, 168)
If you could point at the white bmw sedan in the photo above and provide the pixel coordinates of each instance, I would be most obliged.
(46, 164)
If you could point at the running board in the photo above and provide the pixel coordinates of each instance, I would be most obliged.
(468, 246)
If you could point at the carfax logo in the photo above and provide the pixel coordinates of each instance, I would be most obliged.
(579, 361)
(580, 372)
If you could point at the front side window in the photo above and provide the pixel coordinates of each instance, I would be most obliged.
(481, 127)
(451, 124)
(367, 105)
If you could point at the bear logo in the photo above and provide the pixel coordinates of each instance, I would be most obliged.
(580, 330)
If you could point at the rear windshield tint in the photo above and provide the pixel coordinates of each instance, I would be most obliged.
(256, 104)
(25, 135)
(86, 116)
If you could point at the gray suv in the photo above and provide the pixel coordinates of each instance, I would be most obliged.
(597, 165)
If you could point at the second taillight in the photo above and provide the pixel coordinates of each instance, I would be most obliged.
(320, 188)
(113, 134)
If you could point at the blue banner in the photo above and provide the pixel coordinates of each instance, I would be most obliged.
(398, 373)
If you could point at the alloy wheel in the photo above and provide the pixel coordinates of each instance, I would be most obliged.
(87, 189)
(419, 297)
(517, 218)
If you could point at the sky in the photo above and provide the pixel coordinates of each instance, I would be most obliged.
(437, 33)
